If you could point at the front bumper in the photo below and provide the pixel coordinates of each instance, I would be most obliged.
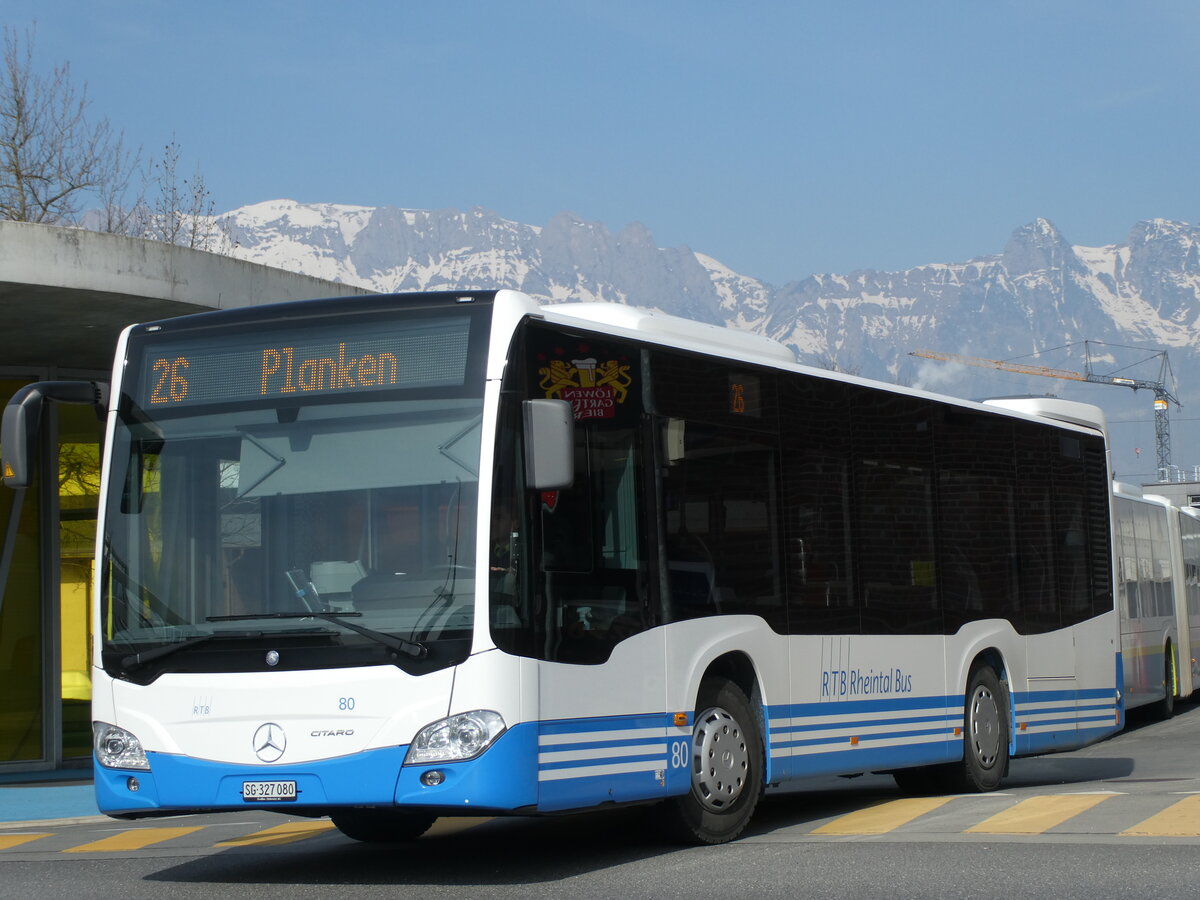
(501, 779)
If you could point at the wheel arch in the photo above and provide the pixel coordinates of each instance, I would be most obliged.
(990, 656)
(736, 667)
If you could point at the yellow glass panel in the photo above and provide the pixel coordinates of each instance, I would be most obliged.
(80, 434)
(21, 720)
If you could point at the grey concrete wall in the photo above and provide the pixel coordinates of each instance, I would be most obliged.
(65, 294)
(75, 260)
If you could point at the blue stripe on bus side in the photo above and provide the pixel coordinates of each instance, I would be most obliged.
(585, 762)
(859, 735)
(658, 755)
(874, 737)
(1062, 718)
(1065, 719)
(825, 726)
(592, 745)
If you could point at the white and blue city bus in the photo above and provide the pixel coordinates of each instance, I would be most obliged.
(398, 557)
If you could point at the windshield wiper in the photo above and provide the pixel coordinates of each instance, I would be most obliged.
(415, 649)
(137, 660)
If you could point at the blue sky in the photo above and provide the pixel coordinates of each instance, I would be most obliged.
(782, 138)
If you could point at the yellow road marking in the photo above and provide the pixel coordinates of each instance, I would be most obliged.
(452, 825)
(882, 817)
(1180, 819)
(16, 840)
(280, 834)
(1038, 814)
(134, 839)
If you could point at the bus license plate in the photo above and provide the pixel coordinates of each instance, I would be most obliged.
(259, 791)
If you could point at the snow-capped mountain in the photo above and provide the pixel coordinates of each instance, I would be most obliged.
(1039, 293)
(389, 249)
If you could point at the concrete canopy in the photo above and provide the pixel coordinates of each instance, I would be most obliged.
(66, 293)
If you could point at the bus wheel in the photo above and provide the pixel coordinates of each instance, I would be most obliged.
(1165, 708)
(726, 766)
(382, 826)
(985, 743)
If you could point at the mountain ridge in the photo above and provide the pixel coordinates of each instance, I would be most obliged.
(1149, 286)
(1039, 294)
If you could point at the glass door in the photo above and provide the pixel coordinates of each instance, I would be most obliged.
(47, 556)
(22, 626)
(79, 439)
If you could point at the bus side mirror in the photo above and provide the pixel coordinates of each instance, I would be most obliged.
(23, 418)
(549, 444)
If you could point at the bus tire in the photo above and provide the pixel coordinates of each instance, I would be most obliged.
(1165, 708)
(985, 735)
(726, 768)
(382, 826)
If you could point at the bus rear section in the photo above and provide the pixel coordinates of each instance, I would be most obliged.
(1156, 598)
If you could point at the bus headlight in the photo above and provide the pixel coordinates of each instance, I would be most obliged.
(116, 748)
(459, 737)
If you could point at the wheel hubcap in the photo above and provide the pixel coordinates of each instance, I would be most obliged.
(720, 759)
(985, 727)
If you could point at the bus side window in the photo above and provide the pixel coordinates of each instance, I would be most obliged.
(720, 530)
(894, 516)
(593, 560)
(976, 522)
(815, 448)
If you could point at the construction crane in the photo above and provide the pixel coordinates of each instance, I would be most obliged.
(1163, 397)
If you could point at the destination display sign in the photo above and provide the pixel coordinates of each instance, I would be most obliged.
(325, 360)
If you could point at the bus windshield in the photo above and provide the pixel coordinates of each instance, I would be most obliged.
(313, 529)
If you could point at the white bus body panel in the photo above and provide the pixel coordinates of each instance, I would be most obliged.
(325, 713)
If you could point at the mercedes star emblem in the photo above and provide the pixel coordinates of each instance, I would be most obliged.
(269, 742)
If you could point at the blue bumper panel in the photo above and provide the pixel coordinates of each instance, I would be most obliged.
(502, 778)
(179, 782)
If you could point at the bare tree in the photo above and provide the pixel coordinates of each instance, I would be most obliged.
(53, 159)
(58, 167)
(181, 211)
(121, 195)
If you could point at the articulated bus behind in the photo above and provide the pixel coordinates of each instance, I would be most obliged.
(1158, 598)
